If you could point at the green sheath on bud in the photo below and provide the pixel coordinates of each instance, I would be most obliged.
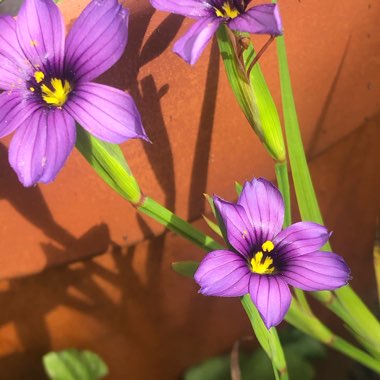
(252, 93)
(109, 162)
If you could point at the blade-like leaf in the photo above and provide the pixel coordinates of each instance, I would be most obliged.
(185, 268)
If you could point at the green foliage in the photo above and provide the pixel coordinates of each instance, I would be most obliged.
(252, 93)
(109, 162)
(185, 268)
(299, 350)
(344, 301)
(73, 364)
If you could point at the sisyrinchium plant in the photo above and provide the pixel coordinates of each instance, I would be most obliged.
(50, 101)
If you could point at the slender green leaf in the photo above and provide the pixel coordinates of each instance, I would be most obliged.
(238, 188)
(213, 226)
(346, 303)
(185, 268)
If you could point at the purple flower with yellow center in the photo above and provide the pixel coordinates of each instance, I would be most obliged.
(263, 260)
(210, 14)
(47, 84)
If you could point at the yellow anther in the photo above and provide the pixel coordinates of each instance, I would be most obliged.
(227, 11)
(39, 76)
(268, 246)
(32, 89)
(58, 94)
(257, 266)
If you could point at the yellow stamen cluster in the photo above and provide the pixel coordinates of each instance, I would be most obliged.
(54, 93)
(260, 266)
(227, 12)
(56, 96)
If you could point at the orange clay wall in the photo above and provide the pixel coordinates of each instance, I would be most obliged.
(119, 296)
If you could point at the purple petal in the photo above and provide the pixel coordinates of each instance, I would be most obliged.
(264, 206)
(237, 227)
(272, 297)
(13, 65)
(224, 274)
(188, 8)
(300, 239)
(262, 19)
(41, 146)
(14, 109)
(41, 34)
(192, 44)
(106, 112)
(97, 39)
(316, 271)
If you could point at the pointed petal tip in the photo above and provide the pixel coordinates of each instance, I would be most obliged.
(272, 297)
(191, 45)
(260, 19)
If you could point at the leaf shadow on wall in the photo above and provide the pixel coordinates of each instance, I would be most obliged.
(146, 94)
(30, 203)
(105, 297)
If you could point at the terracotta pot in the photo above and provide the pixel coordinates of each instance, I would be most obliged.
(201, 141)
(147, 322)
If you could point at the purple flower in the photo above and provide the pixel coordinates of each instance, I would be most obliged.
(210, 14)
(47, 84)
(263, 259)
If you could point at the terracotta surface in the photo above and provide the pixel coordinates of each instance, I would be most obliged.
(193, 121)
(148, 322)
(126, 304)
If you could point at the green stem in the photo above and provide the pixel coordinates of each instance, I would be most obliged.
(312, 326)
(344, 302)
(171, 221)
(282, 176)
(296, 316)
(268, 339)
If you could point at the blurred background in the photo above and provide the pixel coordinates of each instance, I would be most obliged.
(79, 268)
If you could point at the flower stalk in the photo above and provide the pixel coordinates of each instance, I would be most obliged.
(343, 302)
(311, 325)
(252, 92)
(113, 169)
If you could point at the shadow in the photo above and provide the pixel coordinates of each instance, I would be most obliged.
(30, 203)
(161, 38)
(159, 153)
(319, 130)
(146, 94)
(199, 172)
(83, 288)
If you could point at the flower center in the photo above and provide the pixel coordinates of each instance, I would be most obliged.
(262, 263)
(54, 92)
(226, 11)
